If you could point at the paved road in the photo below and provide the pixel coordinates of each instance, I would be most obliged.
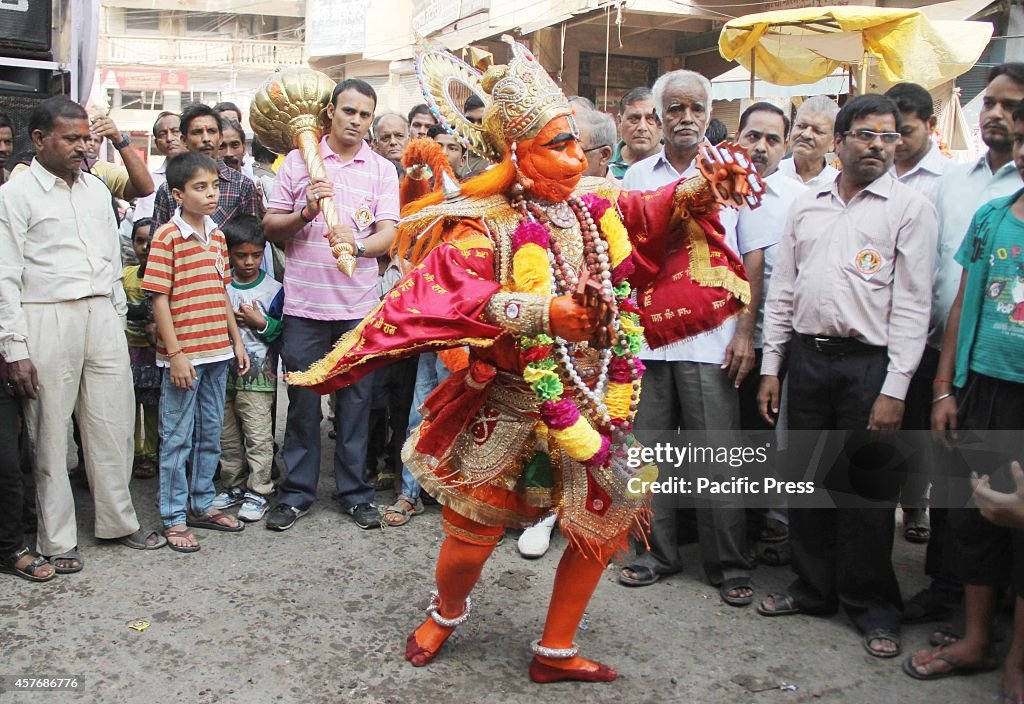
(320, 614)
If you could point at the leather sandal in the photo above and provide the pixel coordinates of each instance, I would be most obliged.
(28, 572)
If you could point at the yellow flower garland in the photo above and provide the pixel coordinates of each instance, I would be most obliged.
(531, 272)
(618, 239)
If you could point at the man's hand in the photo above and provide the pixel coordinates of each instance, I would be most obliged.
(739, 357)
(572, 321)
(182, 372)
(251, 316)
(944, 422)
(999, 508)
(104, 127)
(342, 234)
(242, 357)
(318, 188)
(23, 380)
(886, 414)
(768, 398)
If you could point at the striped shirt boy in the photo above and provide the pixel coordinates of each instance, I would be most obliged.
(192, 268)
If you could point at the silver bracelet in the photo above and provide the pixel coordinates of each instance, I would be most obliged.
(435, 603)
(554, 653)
(941, 398)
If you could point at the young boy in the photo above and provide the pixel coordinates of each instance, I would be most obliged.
(142, 353)
(257, 301)
(187, 272)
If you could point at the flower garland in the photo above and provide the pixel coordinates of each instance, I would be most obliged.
(537, 268)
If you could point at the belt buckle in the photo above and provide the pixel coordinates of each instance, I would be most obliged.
(818, 343)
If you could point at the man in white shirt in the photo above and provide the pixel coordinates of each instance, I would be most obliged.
(920, 165)
(810, 141)
(61, 332)
(763, 131)
(167, 140)
(688, 385)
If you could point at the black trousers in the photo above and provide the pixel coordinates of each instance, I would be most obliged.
(12, 479)
(985, 554)
(841, 556)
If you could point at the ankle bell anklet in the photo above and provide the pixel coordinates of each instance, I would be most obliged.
(554, 653)
(435, 603)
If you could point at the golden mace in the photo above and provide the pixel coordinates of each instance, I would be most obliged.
(290, 110)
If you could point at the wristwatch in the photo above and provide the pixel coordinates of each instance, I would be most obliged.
(360, 248)
(125, 142)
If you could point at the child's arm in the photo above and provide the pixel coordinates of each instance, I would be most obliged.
(266, 325)
(241, 356)
(182, 371)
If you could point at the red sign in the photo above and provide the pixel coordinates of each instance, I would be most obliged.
(142, 79)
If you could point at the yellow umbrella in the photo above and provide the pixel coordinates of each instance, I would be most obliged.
(790, 47)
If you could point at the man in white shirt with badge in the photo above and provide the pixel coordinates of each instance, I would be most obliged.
(690, 385)
(810, 141)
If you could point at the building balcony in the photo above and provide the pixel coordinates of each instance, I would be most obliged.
(187, 52)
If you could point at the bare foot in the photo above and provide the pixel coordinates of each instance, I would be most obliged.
(959, 655)
(425, 641)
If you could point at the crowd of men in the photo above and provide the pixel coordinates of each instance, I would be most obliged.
(887, 292)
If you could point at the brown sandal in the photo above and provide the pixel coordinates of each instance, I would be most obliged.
(10, 564)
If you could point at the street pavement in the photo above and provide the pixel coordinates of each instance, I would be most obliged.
(320, 613)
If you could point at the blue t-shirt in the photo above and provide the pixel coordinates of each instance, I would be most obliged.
(998, 349)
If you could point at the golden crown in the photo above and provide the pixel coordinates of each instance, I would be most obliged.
(519, 98)
(523, 96)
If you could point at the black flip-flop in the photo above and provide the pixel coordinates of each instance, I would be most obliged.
(645, 576)
(958, 669)
(28, 571)
(71, 554)
(208, 522)
(137, 540)
(789, 606)
(733, 584)
(882, 634)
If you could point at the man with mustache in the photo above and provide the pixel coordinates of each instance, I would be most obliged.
(232, 144)
(641, 131)
(964, 189)
(167, 140)
(201, 129)
(763, 131)
(689, 385)
(809, 141)
(62, 335)
(848, 311)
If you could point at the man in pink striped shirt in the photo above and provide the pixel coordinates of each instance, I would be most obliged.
(321, 304)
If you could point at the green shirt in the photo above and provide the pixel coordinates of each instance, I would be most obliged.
(993, 254)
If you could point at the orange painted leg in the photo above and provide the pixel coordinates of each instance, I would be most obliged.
(458, 568)
(575, 581)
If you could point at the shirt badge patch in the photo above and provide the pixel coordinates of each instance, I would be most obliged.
(364, 218)
(868, 261)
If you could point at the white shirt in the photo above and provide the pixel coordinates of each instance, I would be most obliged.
(709, 348)
(186, 230)
(761, 228)
(963, 189)
(926, 176)
(822, 180)
(57, 243)
(144, 206)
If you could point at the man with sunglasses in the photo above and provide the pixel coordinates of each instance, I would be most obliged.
(848, 309)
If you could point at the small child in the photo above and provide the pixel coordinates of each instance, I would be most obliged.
(247, 437)
(187, 272)
(141, 333)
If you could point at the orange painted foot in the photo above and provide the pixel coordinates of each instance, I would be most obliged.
(423, 644)
(575, 669)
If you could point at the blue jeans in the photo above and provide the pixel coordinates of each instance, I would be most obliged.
(190, 426)
(430, 372)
